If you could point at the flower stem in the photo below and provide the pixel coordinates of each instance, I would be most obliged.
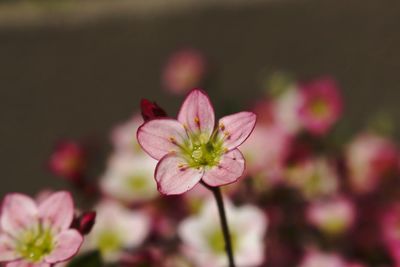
(224, 223)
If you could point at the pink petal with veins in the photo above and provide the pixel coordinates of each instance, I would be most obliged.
(174, 177)
(229, 169)
(236, 128)
(18, 212)
(161, 136)
(197, 113)
(67, 245)
(57, 211)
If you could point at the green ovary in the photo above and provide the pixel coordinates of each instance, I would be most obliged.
(34, 245)
(202, 153)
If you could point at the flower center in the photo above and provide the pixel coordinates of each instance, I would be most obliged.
(203, 153)
(320, 108)
(138, 182)
(35, 244)
(215, 240)
(109, 242)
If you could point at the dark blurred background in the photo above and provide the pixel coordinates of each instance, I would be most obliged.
(74, 69)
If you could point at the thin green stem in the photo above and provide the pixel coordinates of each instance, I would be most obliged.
(224, 223)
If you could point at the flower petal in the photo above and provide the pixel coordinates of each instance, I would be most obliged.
(235, 128)
(7, 249)
(159, 137)
(174, 177)
(197, 113)
(23, 263)
(18, 212)
(67, 245)
(57, 211)
(229, 169)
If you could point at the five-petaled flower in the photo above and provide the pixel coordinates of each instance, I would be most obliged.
(191, 148)
(37, 235)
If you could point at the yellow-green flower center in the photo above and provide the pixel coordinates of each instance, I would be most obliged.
(109, 241)
(138, 183)
(34, 244)
(200, 151)
(216, 242)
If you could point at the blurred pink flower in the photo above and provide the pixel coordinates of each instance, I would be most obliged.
(314, 177)
(315, 258)
(117, 228)
(68, 160)
(369, 157)
(332, 216)
(390, 229)
(321, 106)
(184, 70)
(37, 234)
(266, 151)
(203, 242)
(191, 148)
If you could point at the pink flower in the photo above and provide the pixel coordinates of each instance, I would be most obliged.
(369, 157)
(37, 234)
(191, 148)
(332, 216)
(314, 177)
(390, 228)
(321, 107)
(266, 151)
(315, 258)
(184, 70)
(68, 160)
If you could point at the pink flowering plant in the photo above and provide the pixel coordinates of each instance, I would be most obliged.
(191, 149)
(284, 184)
(38, 234)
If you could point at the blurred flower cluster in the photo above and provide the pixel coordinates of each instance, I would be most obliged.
(310, 197)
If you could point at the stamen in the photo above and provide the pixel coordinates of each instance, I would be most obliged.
(197, 121)
(173, 140)
(222, 126)
(227, 135)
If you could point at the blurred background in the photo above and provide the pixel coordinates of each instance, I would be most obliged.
(72, 69)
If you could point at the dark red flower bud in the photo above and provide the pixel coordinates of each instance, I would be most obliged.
(85, 222)
(150, 110)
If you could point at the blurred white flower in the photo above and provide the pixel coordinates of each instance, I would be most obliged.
(203, 240)
(123, 136)
(286, 110)
(129, 178)
(117, 228)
